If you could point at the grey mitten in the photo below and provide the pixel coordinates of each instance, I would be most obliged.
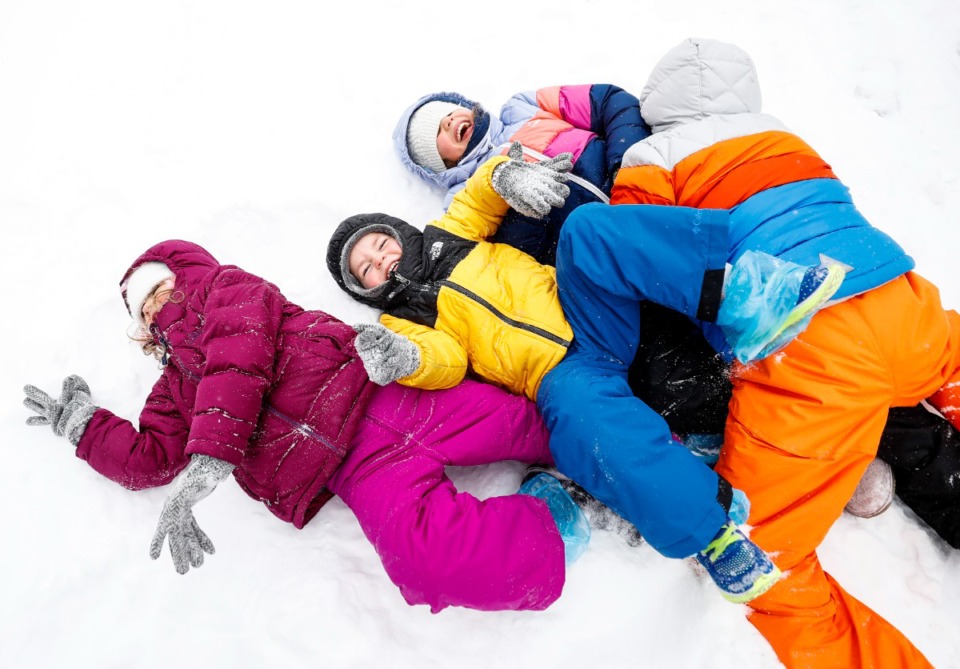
(532, 188)
(386, 355)
(67, 416)
(187, 541)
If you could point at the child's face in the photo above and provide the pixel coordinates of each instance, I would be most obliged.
(373, 258)
(456, 129)
(153, 304)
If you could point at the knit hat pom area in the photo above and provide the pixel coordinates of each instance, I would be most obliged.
(422, 134)
(141, 283)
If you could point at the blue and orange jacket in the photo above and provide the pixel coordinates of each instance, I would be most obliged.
(712, 148)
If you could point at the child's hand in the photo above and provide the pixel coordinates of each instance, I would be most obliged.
(386, 355)
(532, 188)
(67, 416)
(561, 163)
(188, 542)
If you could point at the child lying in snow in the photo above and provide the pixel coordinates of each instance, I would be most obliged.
(455, 301)
(255, 386)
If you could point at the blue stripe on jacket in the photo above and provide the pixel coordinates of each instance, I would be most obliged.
(802, 220)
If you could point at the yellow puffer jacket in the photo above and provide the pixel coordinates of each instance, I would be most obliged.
(497, 311)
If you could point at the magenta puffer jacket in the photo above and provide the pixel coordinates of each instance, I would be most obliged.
(251, 379)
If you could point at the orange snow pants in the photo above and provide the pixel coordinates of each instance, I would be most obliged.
(803, 425)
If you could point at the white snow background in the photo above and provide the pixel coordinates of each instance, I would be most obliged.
(252, 127)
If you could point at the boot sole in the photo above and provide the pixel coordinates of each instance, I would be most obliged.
(760, 586)
(816, 299)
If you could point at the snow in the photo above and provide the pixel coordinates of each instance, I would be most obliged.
(252, 128)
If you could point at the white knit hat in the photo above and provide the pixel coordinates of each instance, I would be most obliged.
(422, 134)
(140, 285)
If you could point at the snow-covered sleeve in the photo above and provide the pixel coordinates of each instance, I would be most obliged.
(443, 361)
(242, 317)
(137, 459)
(476, 211)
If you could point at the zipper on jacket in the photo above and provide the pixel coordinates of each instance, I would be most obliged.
(302, 428)
(402, 284)
(305, 430)
(549, 336)
(164, 344)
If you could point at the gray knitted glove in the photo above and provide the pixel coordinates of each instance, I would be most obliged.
(187, 541)
(386, 355)
(533, 188)
(67, 416)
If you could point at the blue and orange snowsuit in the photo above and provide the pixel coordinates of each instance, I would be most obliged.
(806, 422)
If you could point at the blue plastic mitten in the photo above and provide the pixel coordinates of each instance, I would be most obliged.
(759, 293)
(573, 525)
(739, 507)
(768, 301)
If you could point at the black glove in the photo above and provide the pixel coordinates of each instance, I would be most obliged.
(532, 188)
(67, 416)
(386, 355)
(188, 542)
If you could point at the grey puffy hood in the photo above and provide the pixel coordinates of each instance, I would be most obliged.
(700, 78)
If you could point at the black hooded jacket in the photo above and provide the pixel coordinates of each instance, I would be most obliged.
(428, 258)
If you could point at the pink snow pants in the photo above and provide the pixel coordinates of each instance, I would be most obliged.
(439, 546)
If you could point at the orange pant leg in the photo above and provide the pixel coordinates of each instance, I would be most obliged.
(809, 620)
(803, 426)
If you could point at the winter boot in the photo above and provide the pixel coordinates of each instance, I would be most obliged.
(600, 516)
(767, 301)
(572, 524)
(740, 568)
(874, 493)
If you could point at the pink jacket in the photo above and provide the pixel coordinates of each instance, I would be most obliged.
(251, 379)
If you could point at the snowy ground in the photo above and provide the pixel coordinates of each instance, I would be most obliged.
(252, 128)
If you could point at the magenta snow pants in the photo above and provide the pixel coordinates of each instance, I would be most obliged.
(443, 547)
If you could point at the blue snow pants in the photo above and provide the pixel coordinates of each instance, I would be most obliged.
(609, 258)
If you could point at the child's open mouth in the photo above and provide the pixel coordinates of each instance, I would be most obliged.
(463, 130)
(392, 269)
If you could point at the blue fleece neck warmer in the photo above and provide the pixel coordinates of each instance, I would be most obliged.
(481, 124)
